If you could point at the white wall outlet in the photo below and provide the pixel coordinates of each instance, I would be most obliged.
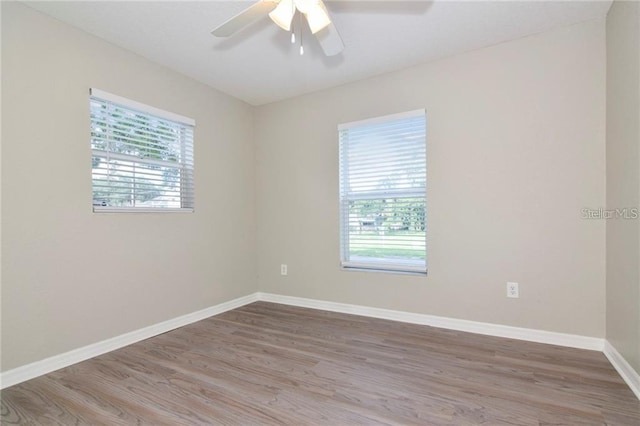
(283, 269)
(512, 290)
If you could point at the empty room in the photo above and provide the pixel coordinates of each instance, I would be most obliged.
(312, 212)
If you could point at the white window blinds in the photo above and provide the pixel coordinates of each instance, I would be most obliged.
(142, 157)
(383, 193)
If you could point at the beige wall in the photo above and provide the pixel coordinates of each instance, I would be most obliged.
(623, 179)
(0, 198)
(71, 277)
(516, 144)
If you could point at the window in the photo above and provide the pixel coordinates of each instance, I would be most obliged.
(142, 157)
(383, 193)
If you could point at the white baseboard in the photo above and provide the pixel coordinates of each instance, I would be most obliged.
(626, 371)
(39, 368)
(532, 335)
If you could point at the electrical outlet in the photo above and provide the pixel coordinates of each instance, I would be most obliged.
(283, 269)
(512, 290)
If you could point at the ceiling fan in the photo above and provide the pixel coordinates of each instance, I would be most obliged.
(283, 12)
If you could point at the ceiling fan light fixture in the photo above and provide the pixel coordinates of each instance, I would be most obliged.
(283, 12)
(318, 18)
(282, 15)
(305, 6)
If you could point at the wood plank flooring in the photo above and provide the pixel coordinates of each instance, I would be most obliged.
(266, 363)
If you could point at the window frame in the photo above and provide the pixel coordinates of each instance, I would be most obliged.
(187, 168)
(397, 266)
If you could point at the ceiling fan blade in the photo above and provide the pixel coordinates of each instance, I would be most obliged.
(330, 40)
(244, 18)
(329, 37)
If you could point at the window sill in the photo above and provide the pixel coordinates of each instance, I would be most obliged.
(384, 269)
(100, 209)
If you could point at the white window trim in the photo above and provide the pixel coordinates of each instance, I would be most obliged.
(150, 110)
(405, 267)
(382, 119)
(147, 109)
(108, 209)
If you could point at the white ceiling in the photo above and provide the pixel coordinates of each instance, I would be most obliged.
(259, 64)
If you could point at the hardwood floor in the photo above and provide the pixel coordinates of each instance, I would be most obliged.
(273, 364)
